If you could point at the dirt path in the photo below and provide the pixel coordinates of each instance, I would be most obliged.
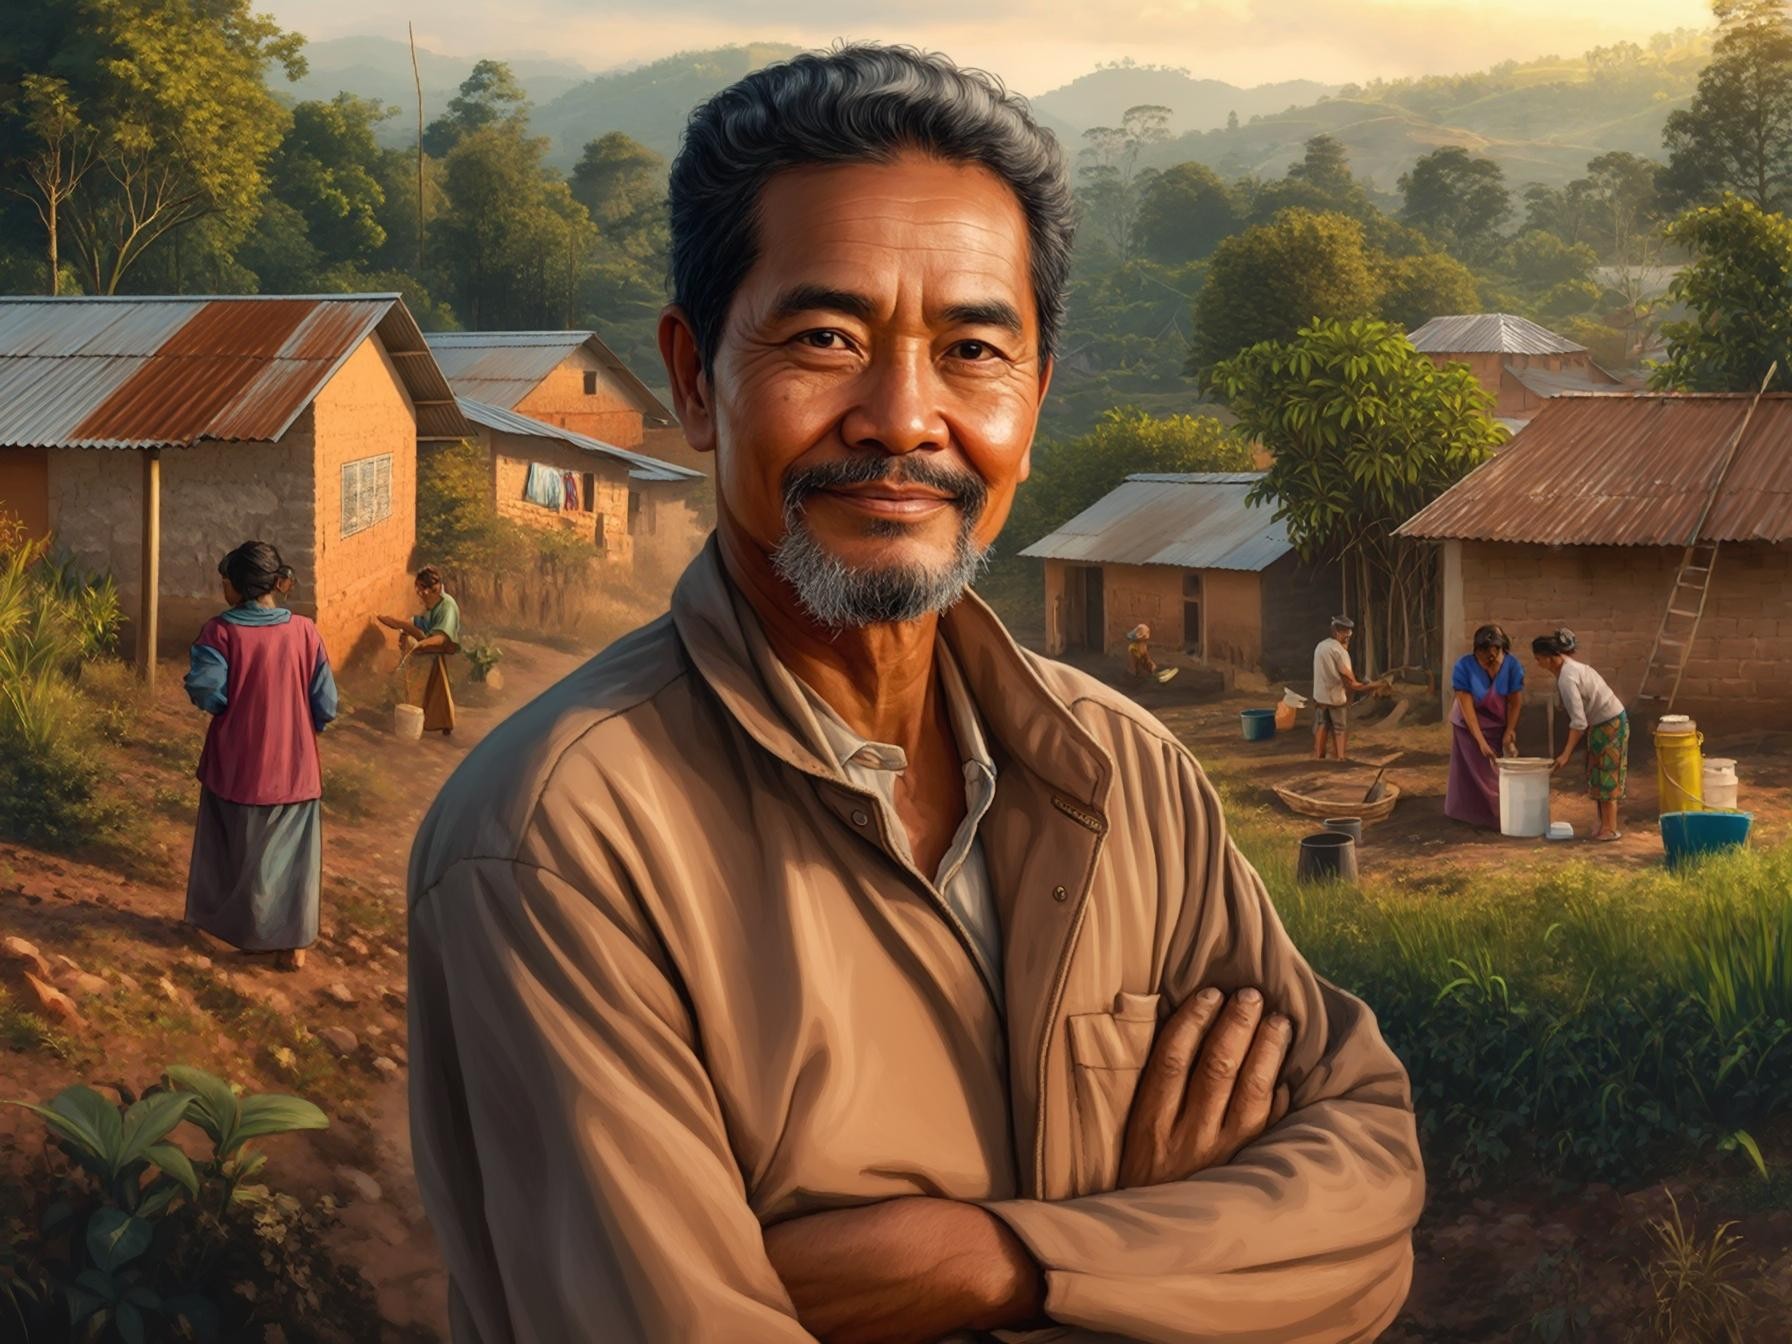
(333, 1031)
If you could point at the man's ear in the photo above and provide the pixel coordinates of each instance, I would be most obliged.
(685, 375)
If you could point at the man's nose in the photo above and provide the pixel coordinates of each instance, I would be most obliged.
(898, 406)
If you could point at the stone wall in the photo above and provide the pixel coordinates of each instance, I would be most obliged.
(1613, 599)
(561, 399)
(362, 412)
(1299, 602)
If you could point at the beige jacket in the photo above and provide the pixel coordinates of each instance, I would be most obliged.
(670, 983)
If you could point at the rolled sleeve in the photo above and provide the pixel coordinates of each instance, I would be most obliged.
(1305, 1236)
(325, 702)
(208, 679)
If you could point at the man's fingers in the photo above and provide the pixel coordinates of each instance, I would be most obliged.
(1254, 1092)
(1165, 1078)
(1211, 1080)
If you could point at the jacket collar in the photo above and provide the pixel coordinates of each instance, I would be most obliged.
(1020, 713)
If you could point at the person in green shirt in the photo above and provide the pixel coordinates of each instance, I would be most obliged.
(433, 635)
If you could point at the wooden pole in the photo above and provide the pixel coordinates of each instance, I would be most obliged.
(148, 601)
(417, 79)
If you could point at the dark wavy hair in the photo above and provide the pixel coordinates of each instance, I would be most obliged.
(1556, 644)
(254, 569)
(859, 103)
(1492, 637)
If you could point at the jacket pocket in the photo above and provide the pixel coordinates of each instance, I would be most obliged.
(1107, 1051)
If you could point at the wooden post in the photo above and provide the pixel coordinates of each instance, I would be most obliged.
(148, 601)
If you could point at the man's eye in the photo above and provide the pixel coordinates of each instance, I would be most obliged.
(974, 351)
(823, 340)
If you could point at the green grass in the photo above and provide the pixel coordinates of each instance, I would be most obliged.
(352, 788)
(1584, 1022)
(22, 1031)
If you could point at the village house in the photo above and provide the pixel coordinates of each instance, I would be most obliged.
(1518, 363)
(547, 477)
(1583, 523)
(158, 433)
(1213, 576)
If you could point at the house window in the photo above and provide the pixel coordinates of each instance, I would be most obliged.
(634, 512)
(1191, 614)
(590, 382)
(366, 493)
(589, 498)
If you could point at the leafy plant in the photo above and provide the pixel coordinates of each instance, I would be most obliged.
(133, 1236)
(482, 656)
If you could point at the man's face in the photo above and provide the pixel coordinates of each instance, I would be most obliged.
(431, 593)
(1343, 636)
(878, 381)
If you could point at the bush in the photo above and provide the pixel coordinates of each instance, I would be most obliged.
(50, 621)
(128, 1238)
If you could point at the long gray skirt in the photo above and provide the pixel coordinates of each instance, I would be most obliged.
(256, 872)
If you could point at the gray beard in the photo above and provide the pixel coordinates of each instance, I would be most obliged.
(838, 597)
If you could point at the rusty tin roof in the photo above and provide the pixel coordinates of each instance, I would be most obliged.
(1196, 520)
(174, 372)
(500, 368)
(1490, 333)
(640, 466)
(1627, 469)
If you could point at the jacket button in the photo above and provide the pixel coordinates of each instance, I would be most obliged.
(1059, 894)
(861, 818)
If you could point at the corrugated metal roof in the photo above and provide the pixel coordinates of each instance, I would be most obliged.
(1489, 333)
(173, 372)
(1190, 521)
(1544, 383)
(500, 368)
(1627, 469)
(641, 467)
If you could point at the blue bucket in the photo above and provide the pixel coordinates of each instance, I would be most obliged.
(1259, 724)
(1688, 835)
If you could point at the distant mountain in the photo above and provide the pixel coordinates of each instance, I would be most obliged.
(380, 68)
(1540, 122)
(650, 102)
(1102, 96)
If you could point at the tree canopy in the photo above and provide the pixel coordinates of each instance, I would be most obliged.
(1184, 213)
(1737, 134)
(1739, 293)
(1457, 200)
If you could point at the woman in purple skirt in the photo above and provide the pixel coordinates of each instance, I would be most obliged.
(1488, 693)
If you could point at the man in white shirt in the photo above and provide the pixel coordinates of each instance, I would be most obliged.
(1333, 685)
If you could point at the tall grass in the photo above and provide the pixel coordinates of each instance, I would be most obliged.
(1588, 1021)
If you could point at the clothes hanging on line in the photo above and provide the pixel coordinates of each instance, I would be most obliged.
(545, 486)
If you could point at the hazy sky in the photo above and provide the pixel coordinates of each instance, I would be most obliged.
(1035, 45)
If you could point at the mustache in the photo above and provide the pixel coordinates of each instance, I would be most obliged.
(965, 488)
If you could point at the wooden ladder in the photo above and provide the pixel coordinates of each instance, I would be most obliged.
(1692, 586)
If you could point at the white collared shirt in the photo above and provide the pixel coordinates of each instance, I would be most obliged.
(962, 879)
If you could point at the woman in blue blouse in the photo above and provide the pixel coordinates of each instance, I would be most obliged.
(1487, 688)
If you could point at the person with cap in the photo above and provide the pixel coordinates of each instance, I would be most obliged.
(1333, 685)
(263, 675)
(1139, 661)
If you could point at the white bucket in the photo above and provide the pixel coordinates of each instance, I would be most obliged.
(1524, 795)
(1720, 785)
(407, 722)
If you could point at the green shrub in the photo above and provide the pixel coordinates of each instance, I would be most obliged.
(128, 1238)
(352, 788)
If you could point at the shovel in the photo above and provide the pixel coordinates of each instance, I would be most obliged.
(1376, 790)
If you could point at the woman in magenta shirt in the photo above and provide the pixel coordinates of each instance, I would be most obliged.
(264, 677)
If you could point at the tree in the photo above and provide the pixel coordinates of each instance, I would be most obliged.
(1184, 214)
(1739, 293)
(1269, 282)
(622, 185)
(64, 153)
(334, 174)
(1625, 192)
(1111, 180)
(1231, 121)
(1365, 431)
(1565, 211)
(488, 96)
(1539, 261)
(1457, 199)
(1736, 135)
(181, 116)
(1416, 289)
(1326, 164)
(1071, 475)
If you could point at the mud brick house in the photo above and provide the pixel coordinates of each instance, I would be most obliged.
(1582, 523)
(151, 435)
(548, 477)
(1210, 574)
(1518, 363)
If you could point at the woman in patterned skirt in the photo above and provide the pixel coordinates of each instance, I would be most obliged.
(1596, 713)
